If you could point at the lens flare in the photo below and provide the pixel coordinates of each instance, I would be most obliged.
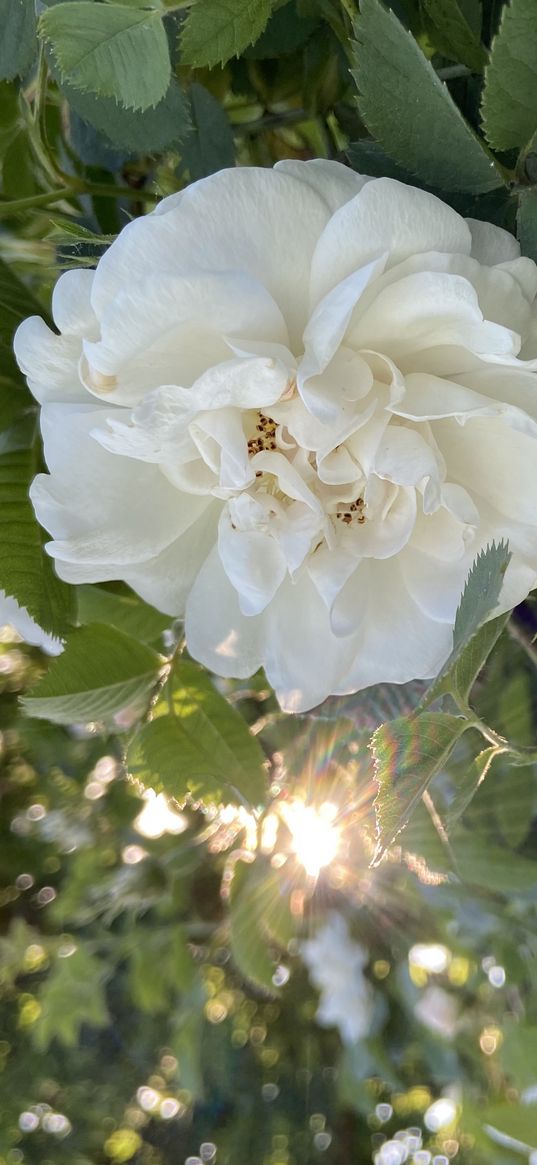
(314, 836)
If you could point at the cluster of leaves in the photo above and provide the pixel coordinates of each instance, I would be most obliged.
(139, 1022)
(104, 108)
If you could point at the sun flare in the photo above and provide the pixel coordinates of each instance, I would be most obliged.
(315, 838)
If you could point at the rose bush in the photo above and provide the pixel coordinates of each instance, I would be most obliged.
(291, 405)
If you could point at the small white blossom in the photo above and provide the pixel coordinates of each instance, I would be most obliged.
(290, 406)
(336, 965)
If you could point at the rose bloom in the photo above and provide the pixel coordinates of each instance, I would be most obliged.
(291, 406)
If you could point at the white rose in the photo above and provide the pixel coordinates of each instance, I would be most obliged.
(291, 405)
(335, 964)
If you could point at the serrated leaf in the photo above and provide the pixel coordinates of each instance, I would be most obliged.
(473, 639)
(143, 132)
(481, 592)
(17, 39)
(126, 612)
(527, 223)
(209, 145)
(26, 571)
(509, 106)
(393, 76)
(216, 30)
(200, 746)
(407, 754)
(72, 995)
(148, 132)
(111, 50)
(101, 671)
(467, 784)
(286, 31)
(453, 35)
(248, 943)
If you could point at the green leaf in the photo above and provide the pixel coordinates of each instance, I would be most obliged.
(17, 39)
(19, 179)
(466, 785)
(514, 1120)
(472, 643)
(509, 107)
(216, 30)
(513, 790)
(247, 941)
(100, 672)
(453, 35)
(286, 31)
(368, 157)
(110, 50)
(72, 995)
(527, 223)
(15, 403)
(209, 146)
(393, 77)
(16, 303)
(147, 132)
(466, 665)
(126, 612)
(26, 571)
(160, 966)
(407, 754)
(481, 592)
(496, 868)
(201, 746)
(519, 1054)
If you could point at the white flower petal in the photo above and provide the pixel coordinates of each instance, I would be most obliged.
(491, 244)
(252, 560)
(261, 222)
(428, 310)
(140, 513)
(493, 462)
(336, 183)
(218, 634)
(303, 659)
(49, 362)
(71, 303)
(385, 216)
(397, 643)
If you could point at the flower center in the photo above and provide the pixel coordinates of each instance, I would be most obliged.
(353, 513)
(265, 436)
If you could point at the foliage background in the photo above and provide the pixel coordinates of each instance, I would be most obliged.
(144, 1014)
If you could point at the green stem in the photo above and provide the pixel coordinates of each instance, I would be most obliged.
(18, 205)
(270, 121)
(350, 8)
(74, 190)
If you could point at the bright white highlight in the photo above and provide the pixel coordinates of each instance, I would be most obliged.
(315, 837)
(431, 957)
(156, 817)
